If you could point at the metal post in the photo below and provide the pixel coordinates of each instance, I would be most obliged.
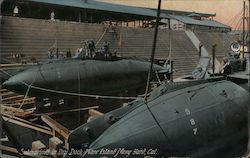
(80, 16)
(200, 46)
(243, 33)
(170, 41)
(171, 70)
(57, 55)
(248, 28)
(248, 60)
(213, 51)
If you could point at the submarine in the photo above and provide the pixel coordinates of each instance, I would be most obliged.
(198, 119)
(205, 118)
(74, 77)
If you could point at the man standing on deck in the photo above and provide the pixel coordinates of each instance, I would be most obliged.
(226, 67)
(15, 11)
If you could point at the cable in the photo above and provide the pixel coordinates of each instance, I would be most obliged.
(151, 68)
(79, 98)
(153, 50)
(101, 36)
(26, 94)
(232, 21)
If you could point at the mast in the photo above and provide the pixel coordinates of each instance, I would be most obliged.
(243, 33)
(248, 29)
(248, 62)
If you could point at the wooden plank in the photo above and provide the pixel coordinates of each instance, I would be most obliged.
(37, 145)
(26, 100)
(10, 65)
(95, 113)
(8, 93)
(25, 121)
(15, 111)
(15, 65)
(3, 90)
(9, 149)
(11, 104)
(12, 98)
(17, 105)
(20, 101)
(65, 111)
(28, 125)
(56, 126)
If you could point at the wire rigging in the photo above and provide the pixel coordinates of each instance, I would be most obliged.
(151, 68)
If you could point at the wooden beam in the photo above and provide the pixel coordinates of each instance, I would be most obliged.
(3, 90)
(28, 125)
(18, 104)
(25, 121)
(95, 113)
(12, 98)
(65, 111)
(56, 126)
(37, 145)
(26, 100)
(15, 65)
(15, 111)
(11, 104)
(9, 149)
(4, 94)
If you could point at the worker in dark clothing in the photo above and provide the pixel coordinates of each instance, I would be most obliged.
(92, 48)
(225, 68)
(105, 49)
(89, 48)
(68, 54)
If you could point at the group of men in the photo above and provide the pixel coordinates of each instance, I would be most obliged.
(88, 50)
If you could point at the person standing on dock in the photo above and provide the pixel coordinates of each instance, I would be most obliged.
(52, 16)
(225, 67)
(92, 48)
(105, 49)
(15, 11)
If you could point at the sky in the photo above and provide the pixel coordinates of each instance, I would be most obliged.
(228, 12)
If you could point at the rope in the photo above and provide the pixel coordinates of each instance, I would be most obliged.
(233, 20)
(151, 68)
(153, 50)
(26, 94)
(71, 93)
(101, 36)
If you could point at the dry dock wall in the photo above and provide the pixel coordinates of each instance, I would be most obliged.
(222, 40)
(33, 38)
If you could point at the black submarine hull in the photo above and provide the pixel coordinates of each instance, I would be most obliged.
(68, 78)
(204, 120)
